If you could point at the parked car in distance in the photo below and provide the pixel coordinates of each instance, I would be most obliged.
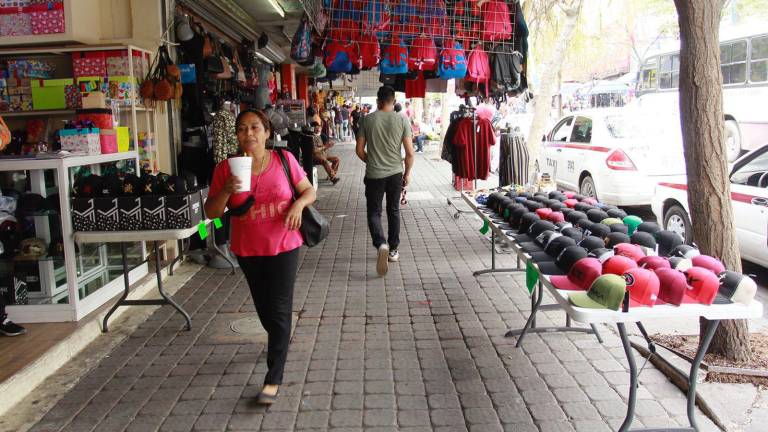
(749, 198)
(615, 155)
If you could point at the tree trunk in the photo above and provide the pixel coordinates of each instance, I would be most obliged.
(701, 118)
(549, 73)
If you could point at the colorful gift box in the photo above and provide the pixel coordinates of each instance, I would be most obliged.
(49, 94)
(108, 141)
(94, 100)
(123, 88)
(101, 117)
(47, 18)
(85, 141)
(89, 64)
(14, 3)
(73, 97)
(15, 22)
(30, 68)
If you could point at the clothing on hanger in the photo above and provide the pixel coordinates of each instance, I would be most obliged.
(473, 141)
(224, 138)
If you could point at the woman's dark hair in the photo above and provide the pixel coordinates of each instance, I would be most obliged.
(260, 114)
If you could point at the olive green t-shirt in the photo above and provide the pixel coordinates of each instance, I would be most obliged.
(384, 132)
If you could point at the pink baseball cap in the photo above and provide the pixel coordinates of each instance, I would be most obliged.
(556, 217)
(544, 212)
(702, 286)
(580, 276)
(569, 194)
(618, 265)
(654, 262)
(710, 263)
(570, 202)
(672, 286)
(643, 287)
(632, 251)
(590, 201)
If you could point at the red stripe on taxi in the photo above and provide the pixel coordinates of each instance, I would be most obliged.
(735, 196)
(580, 147)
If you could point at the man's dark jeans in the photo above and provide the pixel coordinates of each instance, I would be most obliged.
(375, 189)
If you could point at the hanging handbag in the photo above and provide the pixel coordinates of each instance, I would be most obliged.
(5, 134)
(314, 226)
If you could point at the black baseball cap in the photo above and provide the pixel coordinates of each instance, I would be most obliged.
(557, 206)
(601, 254)
(735, 288)
(30, 203)
(684, 251)
(564, 261)
(558, 244)
(540, 198)
(536, 228)
(131, 185)
(111, 186)
(174, 185)
(554, 194)
(644, 239)
(591, 243)
(649, 227)
(515, 215)
(566, 211)
(575, 216)
(149, 184)
(533, 205)
(597, 215)
(560, 226)
(597, 230)
(616, 213)
(541, 240)
(191, 179)
(526, 221)
(91, 186)
(667, 240)
(619, 227)
(584, 207)
(573, 233)
(614, 238)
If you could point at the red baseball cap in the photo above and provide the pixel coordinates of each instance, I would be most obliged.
(570, 202)
(643, 287)
(710, 263)
(702, 286)
(580, 276)
(569, 194)
(632, 251)
(618, 265)
(590, 201)
(672, 286)
(654, 262)
(556, 217)
(543, 212)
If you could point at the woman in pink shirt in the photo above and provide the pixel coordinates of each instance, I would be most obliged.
(266, 239)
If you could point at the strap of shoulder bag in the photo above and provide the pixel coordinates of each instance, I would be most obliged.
(287, 170)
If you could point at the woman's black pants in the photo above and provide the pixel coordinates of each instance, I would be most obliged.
(271, 280)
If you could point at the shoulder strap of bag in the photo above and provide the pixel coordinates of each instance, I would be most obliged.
(287, 169)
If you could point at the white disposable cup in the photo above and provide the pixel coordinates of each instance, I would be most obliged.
(241, 168)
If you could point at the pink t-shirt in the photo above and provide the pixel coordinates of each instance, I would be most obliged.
(262, 231)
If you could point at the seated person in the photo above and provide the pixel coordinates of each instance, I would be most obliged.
(418, 137)
(320, 154)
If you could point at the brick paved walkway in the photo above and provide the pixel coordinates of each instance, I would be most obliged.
(420, 350)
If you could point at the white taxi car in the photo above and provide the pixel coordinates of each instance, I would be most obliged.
(749, 198)
(617, 156)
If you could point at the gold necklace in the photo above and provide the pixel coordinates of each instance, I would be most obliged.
(261, 171)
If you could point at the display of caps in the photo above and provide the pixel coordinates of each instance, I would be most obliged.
(591, 243)
(679, 263)
(632, 222)
(573, 233)
(643, 287)
(735, 288)
(564, 261)
(618, 265)
(702, 286)
(111, 186)
(631, 251)
(615, 238)
(667, 241)
(654, 262)
(619, 227)
(596, 215)
(684, 251)
(31, 249)
(611, 221)
(710, 263)
(149, 184)
(570, 203)
(575, 216)
(606, 292)
(580, 276)
(649, 227)
(616, 213)
(601, 254)
(672, 286)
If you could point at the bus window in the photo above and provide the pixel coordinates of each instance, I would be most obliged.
(733, 62)
(758, 65)
(669, 71)
(648, 76)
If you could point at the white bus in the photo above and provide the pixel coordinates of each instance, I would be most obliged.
(744, 64)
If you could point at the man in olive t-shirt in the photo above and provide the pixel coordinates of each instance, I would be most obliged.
(380, 139)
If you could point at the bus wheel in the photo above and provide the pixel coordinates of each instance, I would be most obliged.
(732, 141)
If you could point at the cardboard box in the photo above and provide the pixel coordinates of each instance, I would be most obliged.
(83, 214)
(153, 212)
(107, 214)
(130, 213)
(49, 94)
(86, 141)
(14, 291)
(182, 211)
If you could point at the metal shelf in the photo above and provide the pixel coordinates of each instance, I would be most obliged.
(19, 164)
(42, 113)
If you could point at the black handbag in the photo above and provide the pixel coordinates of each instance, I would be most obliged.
(314, 226)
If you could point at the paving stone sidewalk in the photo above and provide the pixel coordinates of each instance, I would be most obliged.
(420, 350)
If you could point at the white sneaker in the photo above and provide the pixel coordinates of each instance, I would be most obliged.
(382, 265)
(394, 256)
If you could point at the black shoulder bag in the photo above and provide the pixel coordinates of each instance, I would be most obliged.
(314, 226)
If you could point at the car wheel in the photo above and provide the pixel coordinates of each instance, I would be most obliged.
(732, 141)
(676, 220)
(587, 187)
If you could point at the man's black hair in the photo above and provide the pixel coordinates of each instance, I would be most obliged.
(398, 107)
(386, 94)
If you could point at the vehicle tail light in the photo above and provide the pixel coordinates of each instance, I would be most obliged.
(618, 160)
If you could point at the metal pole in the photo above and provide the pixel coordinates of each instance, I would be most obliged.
(632, 378)
(707, 339)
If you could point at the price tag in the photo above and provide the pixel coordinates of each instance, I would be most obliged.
(531, 277)
(217, 223)
(202, 230)
(506, 213)
(485, 227)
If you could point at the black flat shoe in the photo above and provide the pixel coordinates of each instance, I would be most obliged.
(266, 399)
